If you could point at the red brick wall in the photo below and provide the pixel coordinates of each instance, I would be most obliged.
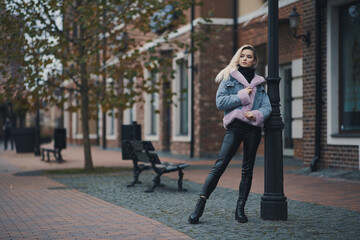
(298, 148)
(209, 130)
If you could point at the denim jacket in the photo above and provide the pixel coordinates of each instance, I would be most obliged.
(233, 99)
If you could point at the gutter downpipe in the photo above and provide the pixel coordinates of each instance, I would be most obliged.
(192, 79)
(316, 158)
(235, 25)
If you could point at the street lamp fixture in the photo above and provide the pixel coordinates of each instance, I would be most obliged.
(294, 18)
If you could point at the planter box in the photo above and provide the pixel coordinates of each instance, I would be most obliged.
(24, 139)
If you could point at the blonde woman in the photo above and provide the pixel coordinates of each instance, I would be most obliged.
(246, 106)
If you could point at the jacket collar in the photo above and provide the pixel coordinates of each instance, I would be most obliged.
(241, 79)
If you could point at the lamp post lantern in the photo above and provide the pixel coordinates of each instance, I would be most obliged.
(273, 201)
(294, 20)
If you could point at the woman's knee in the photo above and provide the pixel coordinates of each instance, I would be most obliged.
(219, 167)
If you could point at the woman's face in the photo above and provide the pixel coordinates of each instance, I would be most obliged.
(247, 58)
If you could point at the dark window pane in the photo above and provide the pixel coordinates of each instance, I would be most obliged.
(153, 102)
(350, 68)
(288, 141)
(184, 99)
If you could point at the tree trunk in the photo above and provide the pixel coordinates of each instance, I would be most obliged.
(85, 105)
(85, 122)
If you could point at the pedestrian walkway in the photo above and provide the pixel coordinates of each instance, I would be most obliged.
(38, 207)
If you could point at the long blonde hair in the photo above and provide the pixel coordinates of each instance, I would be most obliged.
(225, 73)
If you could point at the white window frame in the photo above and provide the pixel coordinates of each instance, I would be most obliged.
(109, 118)
(147, 104)
(176, 110)
(75, 119)
(333, 77)
(129, 112)
(286, 151)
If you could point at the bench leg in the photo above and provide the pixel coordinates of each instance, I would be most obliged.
(180, 183)
(42, 154)
(48, 156)
(156, 182)
(136, 178)
(137, 170)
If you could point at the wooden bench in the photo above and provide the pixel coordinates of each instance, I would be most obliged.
(59, 144)
(142, 151)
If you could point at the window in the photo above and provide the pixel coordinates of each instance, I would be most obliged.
(262, 59)
(349, 52)
(153, 106)
(181, 108)
(341, 57)
(130, 113)
(184, 98)
(111, 122)
(152, 109)
(288, 142)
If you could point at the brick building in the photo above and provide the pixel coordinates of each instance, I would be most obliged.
(320, 113)
(338, 69)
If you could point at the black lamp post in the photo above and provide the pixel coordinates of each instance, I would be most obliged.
(273, 201)
(37, 124)
(294, 18)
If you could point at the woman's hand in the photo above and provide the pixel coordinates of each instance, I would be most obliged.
(249, 115)
(249, 90)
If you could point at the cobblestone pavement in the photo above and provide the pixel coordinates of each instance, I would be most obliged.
(167, 205)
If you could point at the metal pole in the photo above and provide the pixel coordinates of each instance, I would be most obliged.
(104, 78)
(316, 159)
(273, 201)
(235, 25)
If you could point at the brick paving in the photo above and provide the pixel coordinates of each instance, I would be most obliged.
(38, 207)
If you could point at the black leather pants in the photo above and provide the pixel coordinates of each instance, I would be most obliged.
(236, 133)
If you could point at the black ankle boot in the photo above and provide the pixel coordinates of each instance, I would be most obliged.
(198, 211)
(240, 213)
(244, 190)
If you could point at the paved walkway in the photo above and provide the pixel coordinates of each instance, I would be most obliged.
(40, 208)
(31, 208)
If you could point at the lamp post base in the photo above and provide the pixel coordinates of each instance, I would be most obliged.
(274, 209)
